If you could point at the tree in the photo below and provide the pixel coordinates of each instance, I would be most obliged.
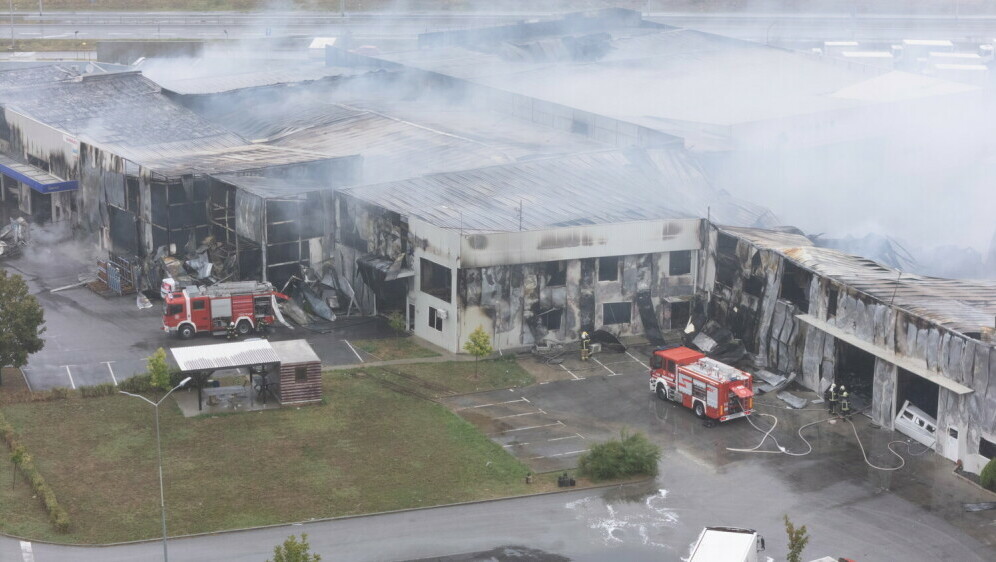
(21, 322)
(158, 370)
(479, 345)
(988, 475)
(630, 455)
(396, 322)
(798, 539)
(294, 550)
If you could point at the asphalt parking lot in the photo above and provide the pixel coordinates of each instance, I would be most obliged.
(90, 339)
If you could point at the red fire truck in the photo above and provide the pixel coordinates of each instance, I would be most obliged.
(212, 308)
(712, 389)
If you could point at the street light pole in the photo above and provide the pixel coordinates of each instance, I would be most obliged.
(159, 448)
(11, 25)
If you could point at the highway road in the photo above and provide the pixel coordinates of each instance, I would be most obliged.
(773, 28)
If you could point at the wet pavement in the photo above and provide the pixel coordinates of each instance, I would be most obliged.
(90, 339)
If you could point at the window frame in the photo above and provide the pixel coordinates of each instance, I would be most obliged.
(300, 373)
(429, 272)
(615, 270)
(671, 261)
(629, 313)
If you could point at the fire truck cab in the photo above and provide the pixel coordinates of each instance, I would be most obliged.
(213, 308)
(711, 389)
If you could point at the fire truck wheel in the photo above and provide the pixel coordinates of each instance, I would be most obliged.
(185, 332)
(661, 392)
(699, 410)
(243, 327)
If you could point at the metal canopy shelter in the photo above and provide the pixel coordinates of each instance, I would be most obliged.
(34, 177)
(202, 361)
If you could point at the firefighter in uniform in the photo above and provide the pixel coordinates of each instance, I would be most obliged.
(585, 341)
(831, 397)
(232, 333)
(845, 405)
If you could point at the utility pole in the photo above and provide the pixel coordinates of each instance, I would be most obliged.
(39, 7)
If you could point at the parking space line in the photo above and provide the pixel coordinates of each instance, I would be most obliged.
(518, 415)
(515, 445)
(525, 428)
(113, 378)
(611, 372)
(581, 436)
(523, 399)
(640, 361)
(70, 373)
(25, 375)
(557, 455)
(577, 378)
(353, 349)
(26, 553)
(575, 436)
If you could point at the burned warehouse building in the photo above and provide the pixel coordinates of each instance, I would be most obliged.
(535, 180)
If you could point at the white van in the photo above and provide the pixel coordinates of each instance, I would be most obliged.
(727, 544)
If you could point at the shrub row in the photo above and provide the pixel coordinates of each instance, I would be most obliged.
(22, 460)
(630, 455)
(136, 384)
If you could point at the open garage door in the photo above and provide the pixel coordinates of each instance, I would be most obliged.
(921, 392)
(856, 371)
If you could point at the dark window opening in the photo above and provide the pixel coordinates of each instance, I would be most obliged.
(411, 317)
(38, 163)
(953, 432)
(987, 448)
(131, 195)
(552, 319)
(974, 335)
(726, 271)
(726, 245)
(556, 272)
(608, 269)
(832, 302)
(579, 127)
(754, 286)
(301, 373)
(855, 369)
(616, 313)
(680, 263)
(680, 314)
(795, 286)
(435, 319)
(435, 280)
(198, 305)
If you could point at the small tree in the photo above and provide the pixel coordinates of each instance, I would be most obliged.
(158, 370)
(479, 345)
(396, 322)
(21, 322)
(798, 539)
(988, 475)
(293, 550)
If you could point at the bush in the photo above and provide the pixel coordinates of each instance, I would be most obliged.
(105, 389)
(988, 476)
(630, 455)
(59, 394)
(137, 384)
(20, 457)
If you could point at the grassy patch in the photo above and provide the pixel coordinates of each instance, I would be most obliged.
(390, 349)
(371, 448)
(433, 380)
(22, 514)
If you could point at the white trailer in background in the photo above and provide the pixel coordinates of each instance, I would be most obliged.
(727, 544)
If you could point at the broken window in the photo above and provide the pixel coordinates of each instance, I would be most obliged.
(795, 286)
(556, 273)
(726, 271)
(608, 269)
(435, 280)
(680, 313)
(616, 313)
(552, 319)
(301, 373)
(987, 448)
(132, 195)
(680, 263)
(435, 319)
(832, 302)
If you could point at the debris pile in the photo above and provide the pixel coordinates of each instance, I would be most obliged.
(314, 298)
(718, 343)
(13, 237)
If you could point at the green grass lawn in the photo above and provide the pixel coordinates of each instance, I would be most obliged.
(433, 380)
(370, 448)
(390, 349)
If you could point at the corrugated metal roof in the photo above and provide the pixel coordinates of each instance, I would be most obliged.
(965, 306)
(271, 186)
(295, 351)
(220, 160)
(224, 355)
(592, 188)
(216, 83)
